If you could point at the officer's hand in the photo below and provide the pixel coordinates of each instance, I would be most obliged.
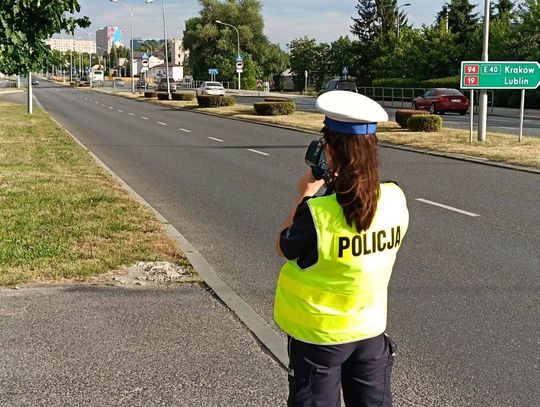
(308, 185)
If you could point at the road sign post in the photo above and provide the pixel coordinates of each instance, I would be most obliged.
(239, 68)
(501, 75)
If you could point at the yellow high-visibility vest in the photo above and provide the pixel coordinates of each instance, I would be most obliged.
(342, 297)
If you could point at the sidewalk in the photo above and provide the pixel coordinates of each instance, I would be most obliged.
(100, 345)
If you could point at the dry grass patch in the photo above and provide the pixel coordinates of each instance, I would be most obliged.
(62, 215)
(498, 147)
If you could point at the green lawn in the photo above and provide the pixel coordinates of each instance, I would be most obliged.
(63, 216)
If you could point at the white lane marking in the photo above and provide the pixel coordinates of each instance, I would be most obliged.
(102, 105)
(257, 151)
(110, 107)
(450, 208)
(97, 103)
(216, 139)
(145, 118)
(131, 114)
(185, 130)
(120, 111)
(163, 124)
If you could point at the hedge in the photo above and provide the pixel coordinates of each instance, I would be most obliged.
(150, 94)
(274, 108)
(183, 96)
(163, 96)
(278, 99)
(422, 122)
(448, 82)
(402, 115)
(215, 101)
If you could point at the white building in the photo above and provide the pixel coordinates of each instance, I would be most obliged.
(68, 44)
(177, 53)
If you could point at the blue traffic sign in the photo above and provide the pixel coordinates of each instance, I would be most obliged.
(213, 71)
(145, 56)
(239, 58)
(345, 70)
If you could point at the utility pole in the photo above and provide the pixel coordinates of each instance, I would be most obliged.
(483, 99)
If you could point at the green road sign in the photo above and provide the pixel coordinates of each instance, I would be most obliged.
(500, 75)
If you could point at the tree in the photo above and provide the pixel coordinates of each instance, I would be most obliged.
(208, 41)
(26, 24)
(504, 10)
(461, 20)
(307, 55)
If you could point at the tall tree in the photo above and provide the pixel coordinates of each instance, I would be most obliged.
(307, 55)
(461, 20)
(212, 43)
(504, 10)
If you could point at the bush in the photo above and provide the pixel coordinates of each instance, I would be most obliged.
(448, 82)
(402, 115)
(422, 122)
(277, 99)
(183, 96)
(215, 101)
(274, 108)
(163, 96)
(150, 94)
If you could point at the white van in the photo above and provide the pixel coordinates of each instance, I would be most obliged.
(98, 75)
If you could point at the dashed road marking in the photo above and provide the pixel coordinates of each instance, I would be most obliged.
(120, 111)
(144, 118)
(257, 152)
(110, 107)
(185, 130)
(131, 114)
(450, 208)
(163, 124)
(216, 139)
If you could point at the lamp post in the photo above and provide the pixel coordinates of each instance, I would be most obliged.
(166, 47)
(131, 12)
(90, 72)
(397, 12)
(238, 48)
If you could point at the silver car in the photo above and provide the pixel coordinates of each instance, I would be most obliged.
(211, 88)
(162, 85)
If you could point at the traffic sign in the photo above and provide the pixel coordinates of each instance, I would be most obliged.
(500, 75)
(239, 65)
(345, 70)
(239, 70)
(239, 58)
(213, 71)
(144, 62)
(259, 83)
(145, 56)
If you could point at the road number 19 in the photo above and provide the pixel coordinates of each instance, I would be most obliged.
(471, 80)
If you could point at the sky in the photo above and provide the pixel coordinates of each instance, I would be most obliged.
(324, 20)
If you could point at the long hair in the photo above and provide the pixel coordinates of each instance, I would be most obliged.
(356, 162)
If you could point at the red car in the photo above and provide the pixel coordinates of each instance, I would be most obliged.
(441, 100)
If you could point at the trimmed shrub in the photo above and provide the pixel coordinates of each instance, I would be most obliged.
(150, 94)
(448, 82)
(277, 99)
(422, 122)
(163, 96)
(402, 115)
(183, 96)
(215, 101)
(274, 108)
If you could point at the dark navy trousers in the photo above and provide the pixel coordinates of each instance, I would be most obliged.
(362, 369)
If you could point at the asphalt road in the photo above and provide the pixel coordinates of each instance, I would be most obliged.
(498, 124)
(464, 304)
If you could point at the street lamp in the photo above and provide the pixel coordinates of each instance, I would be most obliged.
(131, 11)
(238, 42)
(90, 72)
(397, 11)
(166, 47)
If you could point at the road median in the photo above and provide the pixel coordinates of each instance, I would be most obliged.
(63, 216)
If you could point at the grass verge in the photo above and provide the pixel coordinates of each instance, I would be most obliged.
(63, 216)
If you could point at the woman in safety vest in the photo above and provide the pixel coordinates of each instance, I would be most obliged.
(331, 294)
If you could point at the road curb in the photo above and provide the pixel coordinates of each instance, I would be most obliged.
(260, 329)
(453, 156)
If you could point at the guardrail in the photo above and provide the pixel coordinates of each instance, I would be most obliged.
(403, 97)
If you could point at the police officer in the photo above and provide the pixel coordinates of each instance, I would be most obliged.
(331, 294)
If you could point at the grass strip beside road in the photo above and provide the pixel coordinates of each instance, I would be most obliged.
(63, 216)
(499, 147)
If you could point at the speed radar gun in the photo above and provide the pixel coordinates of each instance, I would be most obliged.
(347, 113)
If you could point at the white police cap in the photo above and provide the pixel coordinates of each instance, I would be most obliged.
(350, 113)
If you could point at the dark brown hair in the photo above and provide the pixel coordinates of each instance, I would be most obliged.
(355, 160)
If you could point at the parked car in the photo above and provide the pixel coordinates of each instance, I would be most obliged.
(211, 88)
(35, 82)
(441, 100)
(142, 84)
(162, 85)
(339, 84)
(118, 82)
(85, 80)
